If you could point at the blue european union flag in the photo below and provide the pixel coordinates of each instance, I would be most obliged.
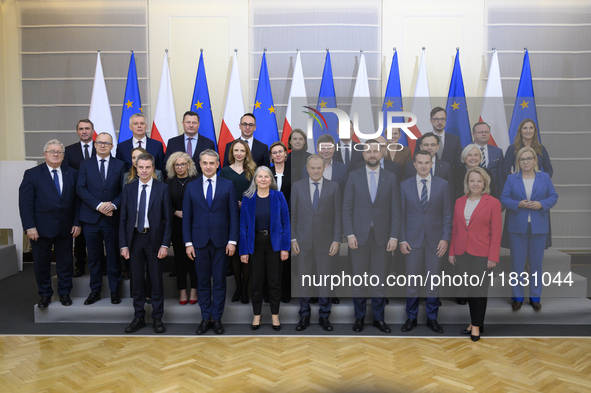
(458, 122)
(132, 103)
(525, 103)
(327, 99)
(393, 98)
(201, 104)
(264, 110)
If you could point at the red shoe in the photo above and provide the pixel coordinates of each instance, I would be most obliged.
(182, 302)
(193, 301)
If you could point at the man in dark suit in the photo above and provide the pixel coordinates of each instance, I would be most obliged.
(99, 188)
(258, 149)
(333, 170)
(210, 233)
(49, 212)
(346, 152)
(450, 146)
(388, 165)
(75, 153)
(492, 155)
(145, 229)
(190, 142)
(430, 143)
(316, 234)
(425, 234)
(138, 127)
(371, 222)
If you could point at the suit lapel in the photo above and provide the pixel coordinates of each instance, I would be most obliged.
(478, 209)
(322, 194)
(363, 176)
(536, 184)
(49, 178)
(521, 185)
(65, 181)
(461, 206)
(152, 196)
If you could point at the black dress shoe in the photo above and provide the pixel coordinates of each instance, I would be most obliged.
(92, 298)
(469, 331)
(218, 328)
(277, 327)
(536, 305)
(255, 327)
(336, 300)
(44, 302)
(408, 325)
(303, 324)
(313, 300)
(462, 301)
(325, 323)
(382, 326)
(78, 273)
(432, 323)
(516, 305)
(474, 338)
(203, 326)
(135, 325)
(158, 326)
(65, 300)
(358, 325)
(115, 299)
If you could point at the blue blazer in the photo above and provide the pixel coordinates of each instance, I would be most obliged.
(159, 214)
(178, 144)
(153, 147)
(280, 227)
(218, 223)
(514, 192)
(41, 206)
(544, 162)
(435, 223)
(495, 165)
(90, 189)
(441, 169)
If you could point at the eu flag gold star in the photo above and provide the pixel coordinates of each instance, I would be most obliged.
(129, 104)
(524, 104)
(322, 104)
(271, 110)
(199, 105)
(141, 110)
(257, 105)
(455, 105)
(389, 104)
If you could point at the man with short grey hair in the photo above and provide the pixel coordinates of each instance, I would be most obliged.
(138, 127)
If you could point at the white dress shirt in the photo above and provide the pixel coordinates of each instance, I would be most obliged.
(89, 148)
(206, 185)
(139, 195)
(193, 143)
(328, 171)
(144, 141)
(420, 185)
(59, 176)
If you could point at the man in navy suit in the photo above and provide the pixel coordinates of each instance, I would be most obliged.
(75, 153)
(316, 234)
(145, 229)
(346, 152)
(424, 236)
(258, 149)
(450, 146)
(190, 142)
(210, 233)
(430, 143)
(99, 188)
(493, 156)
(333, 170)
(49, 213)
(138, 127)
(371, 222)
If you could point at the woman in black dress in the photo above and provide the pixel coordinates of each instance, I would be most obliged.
(181, 170)
(296, 159)
(240, 172)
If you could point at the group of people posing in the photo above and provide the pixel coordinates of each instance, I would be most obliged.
(256, 217)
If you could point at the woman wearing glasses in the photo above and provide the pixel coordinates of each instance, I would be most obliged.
(528, 196)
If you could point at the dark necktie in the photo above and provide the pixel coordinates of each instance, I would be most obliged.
(424, 195)
(139, 144)
(56, 180)
(347, 154)
(483, 163)
(373, 187)
(86, 155)
(209, 195)
(316, 196)
(103, 174)
(190, 147)
(141, 215)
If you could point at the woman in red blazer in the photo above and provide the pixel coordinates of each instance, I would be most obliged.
(476, 242)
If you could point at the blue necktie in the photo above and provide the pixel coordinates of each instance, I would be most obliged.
(316, 196)
(373, 187)
(141, 215)
(424, 195)
(103, 175)
(56, 180)
(209, 195)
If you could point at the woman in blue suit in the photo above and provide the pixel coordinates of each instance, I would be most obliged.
(264, 241)
(528, 196)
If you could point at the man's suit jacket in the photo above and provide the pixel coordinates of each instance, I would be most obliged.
(280, 227)
(354, 158)
(441, 169)
(434, 223)
(390, 166)
(259, 152)
(339, 174)
(218, 223)
(316, 228)
(41, 206)
(495, 165)
(359, 212)
(514, 192)
(153, 147)
(482, 236)
(90, 189)
(178, 144)
(159, 215)
(74, 154)
(452, 150)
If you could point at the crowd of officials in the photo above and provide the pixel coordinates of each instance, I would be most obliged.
(268, 204)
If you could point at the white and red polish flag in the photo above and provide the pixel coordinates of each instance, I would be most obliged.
(233, 110)
(421, 105)
(298, 89)
(164, 126)
(100, 110)
(493, 107)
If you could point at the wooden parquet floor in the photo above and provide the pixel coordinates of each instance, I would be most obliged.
(293, 364)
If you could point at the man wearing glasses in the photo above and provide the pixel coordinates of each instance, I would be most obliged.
(492, 155)
(49, 212)
(190, 142)
(99, 188)
(258, 149)
(450, 147)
